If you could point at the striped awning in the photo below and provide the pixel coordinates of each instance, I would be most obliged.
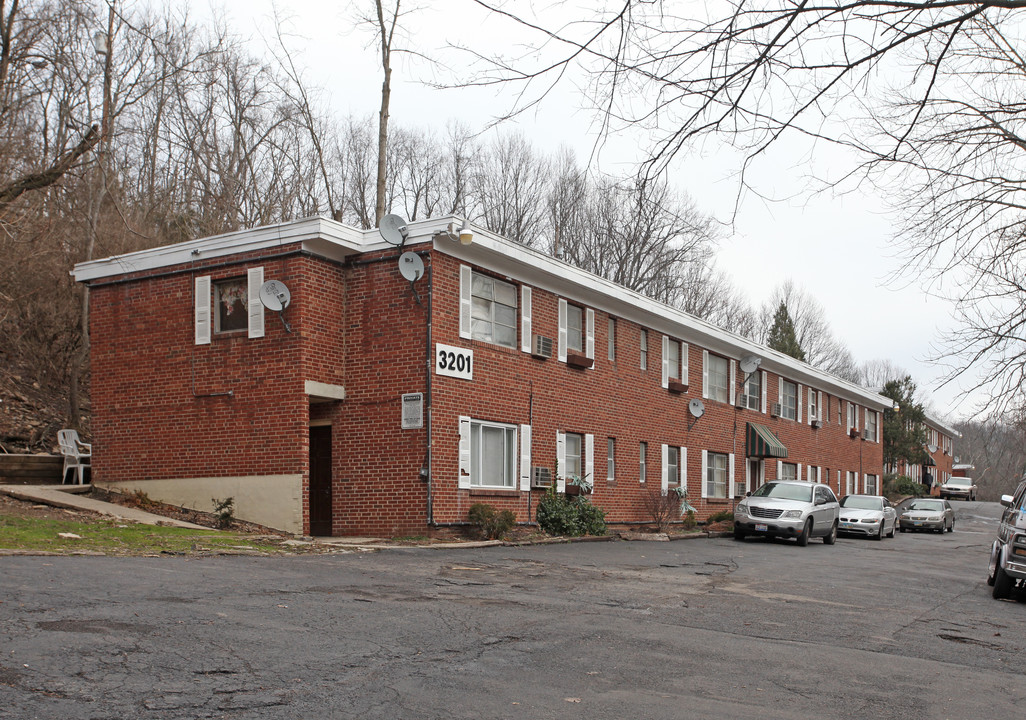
(763, 443)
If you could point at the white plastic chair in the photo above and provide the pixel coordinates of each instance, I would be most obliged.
(77, 454)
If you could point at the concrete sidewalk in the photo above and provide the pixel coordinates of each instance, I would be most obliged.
(69, 496)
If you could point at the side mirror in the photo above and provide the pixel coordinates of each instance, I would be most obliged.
(1006, 500)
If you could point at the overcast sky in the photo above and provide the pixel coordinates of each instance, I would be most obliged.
(836, 248)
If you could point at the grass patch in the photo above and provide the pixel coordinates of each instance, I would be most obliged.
(114, 537)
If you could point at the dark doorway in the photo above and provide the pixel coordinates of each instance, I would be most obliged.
(320, 480)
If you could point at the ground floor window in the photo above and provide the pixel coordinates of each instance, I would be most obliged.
(493, 455)
(788, 471)
(716, 475)
(872, 485)
(851, 485)
(574, 445)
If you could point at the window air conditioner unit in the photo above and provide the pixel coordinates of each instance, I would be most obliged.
(541, 346)
(866, 435)
(541, 477)
(817, 423)
(775, 411)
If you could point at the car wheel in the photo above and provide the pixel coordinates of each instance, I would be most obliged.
(891, 533)
(879, 533)
(803, 539)
(832, 537)
(1002, 584)
(991, 569)
(739, 534)
(901, 529)
(951, 527)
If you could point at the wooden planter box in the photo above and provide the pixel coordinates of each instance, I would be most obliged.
(677, 387)
(579, 361)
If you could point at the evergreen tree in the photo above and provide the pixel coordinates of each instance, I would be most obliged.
(904, 430)
(782, 335)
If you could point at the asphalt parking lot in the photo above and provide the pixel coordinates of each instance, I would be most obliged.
(711, 628)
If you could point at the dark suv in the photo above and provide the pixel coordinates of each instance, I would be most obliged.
(1008, 554)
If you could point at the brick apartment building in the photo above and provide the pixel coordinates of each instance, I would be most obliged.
(374, 404)
(940, 449)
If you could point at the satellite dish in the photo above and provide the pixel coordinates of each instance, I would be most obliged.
(750, 363)
(931, 448)
(411, 266)
(393, 229)
(696, 407)
(274, 295)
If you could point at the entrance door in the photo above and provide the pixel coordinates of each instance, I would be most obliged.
(754, 474)
(320, 480)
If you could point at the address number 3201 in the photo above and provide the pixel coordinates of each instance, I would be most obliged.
(454, 361)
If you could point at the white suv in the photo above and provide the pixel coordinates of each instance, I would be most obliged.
(1008, 554)
(788, 508)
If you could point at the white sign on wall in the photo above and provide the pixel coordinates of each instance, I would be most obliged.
(413, 411)
(454, 361)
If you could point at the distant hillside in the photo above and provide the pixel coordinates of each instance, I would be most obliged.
(31, 415)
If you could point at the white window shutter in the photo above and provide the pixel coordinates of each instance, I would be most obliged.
(879, 428)
(705, 375)
(748, 479)
(465, 459)
(839, 491)
(666, 361)
(765, 389)
(733, 383)
(847, 415)
(798, 475)
(665, 484)
(684, 363)
(589, 344)
(562, 330)
(730, 474)
(589, 459)
(819, 406)
(705, 471)
(798, 404)
(466, 284)
(254, 279)
(525, 457)
(682, 453)
(561, 462)
(780, 469)
(201, 303)
(525, 319)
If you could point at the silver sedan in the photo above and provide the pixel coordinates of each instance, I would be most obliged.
(869, 515)
(927, 514)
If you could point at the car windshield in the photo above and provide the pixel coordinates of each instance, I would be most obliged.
(960, 482)
(785, 491)
(936, 505)
(861, 502)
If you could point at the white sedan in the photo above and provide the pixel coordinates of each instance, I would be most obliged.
(869, 515)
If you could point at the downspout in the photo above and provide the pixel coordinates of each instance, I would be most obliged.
(427, 399)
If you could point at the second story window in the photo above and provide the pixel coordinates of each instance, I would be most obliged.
(230, 305)
(870, 425)
(574, 328)
(493, 311)
(612, 340)
(788, 400)
(673, 359)
(717, 385)
(644, 349)
(751, 396)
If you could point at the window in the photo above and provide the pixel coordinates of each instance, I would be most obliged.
(612, 340)
(853, 416)
(839, 419)
(672, 465)
(716, 476)
(788, 471)
(493, 311)
(230, 305)
(673, 359)
(851, 483)
(813, 410)
(871, 427)
(788, 400)
(871, 485)
(574, 328)
(751, 396)
(717, 385)
(493, 455)
(642, 462)
(644, 349)
(574, 444)
(611, 459)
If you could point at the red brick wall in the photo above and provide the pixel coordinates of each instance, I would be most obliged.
(617, 400)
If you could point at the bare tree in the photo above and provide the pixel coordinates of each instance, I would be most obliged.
(511, 185)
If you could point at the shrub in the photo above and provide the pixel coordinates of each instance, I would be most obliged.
(894, 485)
(571, 517)
(721, 516)
(662, 509)
(224, 511)
(690, 520)
(490, 524)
